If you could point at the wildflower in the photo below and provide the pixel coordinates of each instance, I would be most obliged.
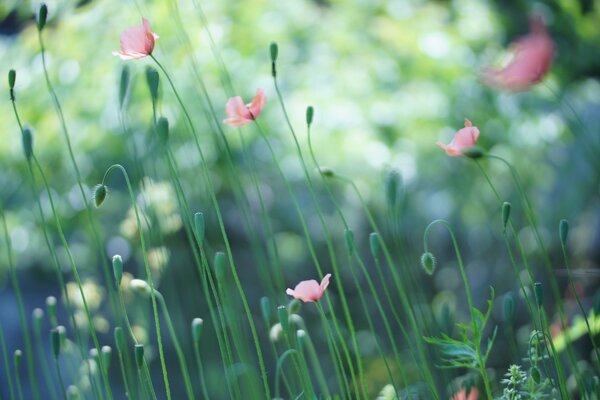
(137, 42)
(532, 56)
(463, 140)
(240, 114)
(309, 291)
(462, 394)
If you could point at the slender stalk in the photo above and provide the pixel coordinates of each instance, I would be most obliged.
(6, 364)
(201, 372)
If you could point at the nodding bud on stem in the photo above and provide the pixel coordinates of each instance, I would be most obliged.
(284, 317)
(539, 293)
(12, 78)
(375, 244)
(349, 236)
(120, 339)
(326, 172)
(197, 324)
(505, 213)
(391, 187)
(117, 263)
(265, 308)
(100, 192)
(42, 17)
(473, 152)
(310, 113)
(200, 227)
(220, 266)
(18, 357)
(428, 263)
(123, 85)
(139, 355)
(162, 129)
(294, 306)
(509, 309)
(55, 341)
(563, 231)
(274, 49)
(27, 140)
(152, 79)
(140, 286)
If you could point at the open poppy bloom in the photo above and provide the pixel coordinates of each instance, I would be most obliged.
(464, 139)
(240, 114)
(462, 395)
(309, 291)
(137, 42)
(532, 57)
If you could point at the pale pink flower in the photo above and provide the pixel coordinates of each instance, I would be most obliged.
(309, 291)
(462, 394)
(464, 139)
(532, 57)
(137, 42)
(240, 113)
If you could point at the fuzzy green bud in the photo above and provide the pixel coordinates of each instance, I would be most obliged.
(349, 238)
(563, 231)
(162, 129)
(123, 85)
(120, 342)
(310, 113)
(326, 172)
(100, 192)
(539, 293)
(42, 17)
(27, 141)
(473, 152)
(392, 180)
(12, 78)
(274, 50)
(18, 357)
(428, 263)
(200, 226)
(197, 325)
(220, 266)
(508, 307)
(139, 355)
(375, 244)
(152, 79)
(265, 307)
(55, 342)
(506, 206)
(117, 264)
(294, 306)
(106, 356)
(284, 317)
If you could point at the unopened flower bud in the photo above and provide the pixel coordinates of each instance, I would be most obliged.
(473, 152)
(275, 332)
(162, 129)
(375, 244)
(294, 306)
(563, 231)
(120, 339)
(42, 17)
(392, 180)
(51, 307)
(220, 266)
(27, 141)
(106, 356)
(310, 113)
(123, 85)
(140, 286)
(200, 227)
(326, 172)
(152, 79)
(18, 357)
(301, 338)
(100, 192)
(55, 342)
(197, 324)
(509, 309)
(284, 317)
(73, 393)
(428, 263)
(12, 78)
(117, 264)
(265, 307)
(37, 316)
(139, 355)
(274, 49)
(506, 206)
(539, 293)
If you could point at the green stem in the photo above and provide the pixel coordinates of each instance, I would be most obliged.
(6, 363)
(201, 372)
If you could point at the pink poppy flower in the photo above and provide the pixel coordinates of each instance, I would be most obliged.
(309, 291)
(464, 139)
(137, 42)
(462, 395)
(240, 113)
(532, 57)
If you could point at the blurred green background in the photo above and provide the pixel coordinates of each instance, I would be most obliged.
(388, 79)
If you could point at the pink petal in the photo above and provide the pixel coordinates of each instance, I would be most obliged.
(235, 107)
(324, 283)
(306, 291)
(236, 121)
(137, 42)
(257, 104)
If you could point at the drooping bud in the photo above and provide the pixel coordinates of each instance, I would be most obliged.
(197, 325)
(563, 231)
(152, 79)
(106, 356)
(284, 317)
(140, 286)
(18, 357)
(473, 152)
(428, 263)
(42, 17)
(100, 192)
(162, 129)
(139, 355)
(120, 339)
(310, 113)
(265, 308)
(274, 49)
(55, 341)
(27, 140)
(200, 227)
(326, 172)
(117, 264)
(509, 309)
(539, 293)
(123, 85)
(375, 244)
(220, 266)
(506, 206)
(294, 306)
(349, 237)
